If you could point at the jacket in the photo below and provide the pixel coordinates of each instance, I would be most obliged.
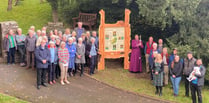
(72, 49)
(55, 55)
(30, 43)
(42, 54)
(80, 50)
(6, 43)
(88, 49)
(188, 66)
(176, 69)
(200, 77)
(148, 48)
(151, 59)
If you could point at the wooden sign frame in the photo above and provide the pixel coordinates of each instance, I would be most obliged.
(127, 36)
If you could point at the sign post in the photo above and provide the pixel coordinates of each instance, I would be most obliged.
(114, 40)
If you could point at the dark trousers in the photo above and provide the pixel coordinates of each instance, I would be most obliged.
(77, 66)
(11, 53)
(30, 59)
(93, 63)
(57, 71)
(194, 89)
(87, 61)
(187, 85)
(21, 50)
(51, 73)
(41, 76)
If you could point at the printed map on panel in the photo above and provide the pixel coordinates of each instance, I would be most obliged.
(114, 39)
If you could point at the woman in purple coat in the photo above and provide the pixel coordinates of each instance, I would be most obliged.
(136, 61)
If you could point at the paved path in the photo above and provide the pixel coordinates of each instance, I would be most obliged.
(21, 83)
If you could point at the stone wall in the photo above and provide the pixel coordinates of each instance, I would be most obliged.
(58, 25)
(4, 28)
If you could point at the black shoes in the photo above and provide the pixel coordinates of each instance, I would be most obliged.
(44, 84)
(38, 87)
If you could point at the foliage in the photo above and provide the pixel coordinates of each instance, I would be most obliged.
(27, 13)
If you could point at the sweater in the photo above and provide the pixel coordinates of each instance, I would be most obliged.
(176, 69)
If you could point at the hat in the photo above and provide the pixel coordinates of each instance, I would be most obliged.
(190, 52)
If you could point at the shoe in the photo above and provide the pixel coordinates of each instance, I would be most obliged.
(54, 81)
(8, 63)
(66, 81)
(62, 83)
(175, 95)
(50, 82)
(44, 84)
(160, 94)
(38, 87)
(81, 75)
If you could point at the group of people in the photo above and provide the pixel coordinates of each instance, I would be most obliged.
(58, 54)
(53, 53)
(164, 67)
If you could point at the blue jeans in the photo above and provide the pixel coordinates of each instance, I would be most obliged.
(175, 82)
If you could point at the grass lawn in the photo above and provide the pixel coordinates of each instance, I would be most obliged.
(27, 13)
(9, 99)
(140, 83)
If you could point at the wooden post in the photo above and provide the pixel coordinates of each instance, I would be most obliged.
(101, 64)
(127, 36)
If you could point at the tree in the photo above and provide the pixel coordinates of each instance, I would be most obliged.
(54, 6)
(9, 5)
(16, 2)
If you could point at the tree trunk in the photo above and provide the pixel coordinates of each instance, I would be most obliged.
(16, 2)
(9, 5)
(55, 15)
(41, 1)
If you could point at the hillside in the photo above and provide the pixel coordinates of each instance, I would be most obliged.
(27, 13)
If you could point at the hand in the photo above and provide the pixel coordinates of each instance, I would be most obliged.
(156, 73)
(44, 61)
(174, 76)
(89, 56)
(79, 56)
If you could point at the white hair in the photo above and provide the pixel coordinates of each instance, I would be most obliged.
(70, 38)
(51, 42)
(154, 44)
(80, 39)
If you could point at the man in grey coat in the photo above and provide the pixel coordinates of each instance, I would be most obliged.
(30, 44)
(189, 63)
(80, 55)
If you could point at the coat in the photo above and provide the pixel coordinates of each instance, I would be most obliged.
(88, 49)
(72, 53)
(6, 43)
(176, 69)
(200, 77)
(55, 55)
(158, 78)
(42, 54)
(80, 50)
(188, 66)
(30, 43)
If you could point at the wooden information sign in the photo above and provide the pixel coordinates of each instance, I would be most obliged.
(114, 40)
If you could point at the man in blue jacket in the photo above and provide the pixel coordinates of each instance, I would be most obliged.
(42, 55)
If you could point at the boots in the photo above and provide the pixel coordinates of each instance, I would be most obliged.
(157, 90)
(160, 91)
